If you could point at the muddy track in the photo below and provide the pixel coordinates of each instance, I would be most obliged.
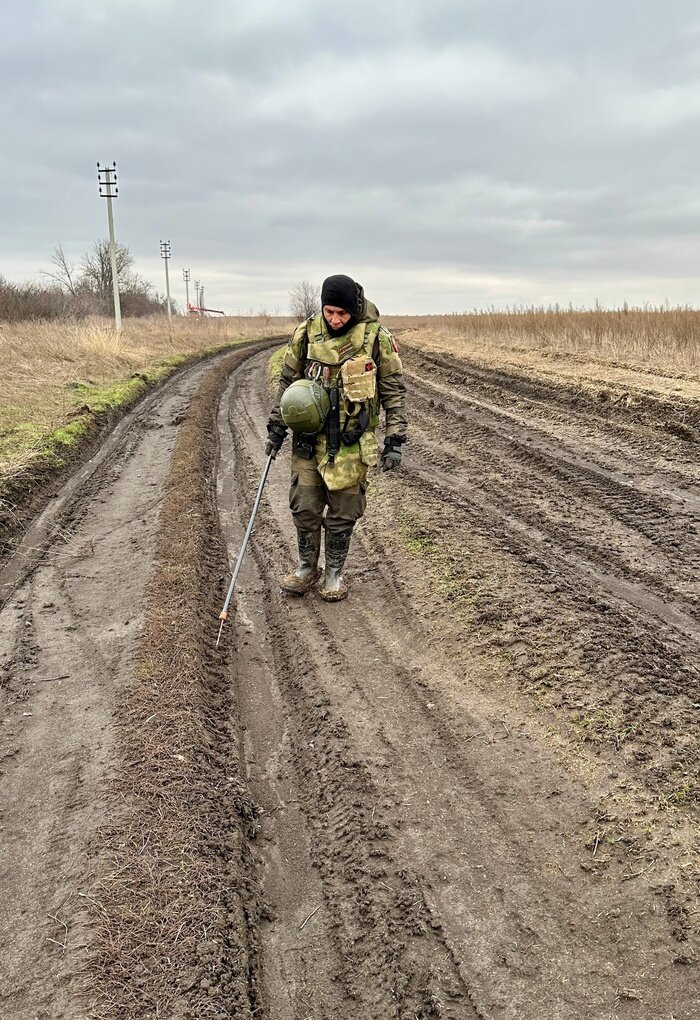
(451, 872)
(74, 607)
(468, 791)
(601, 521)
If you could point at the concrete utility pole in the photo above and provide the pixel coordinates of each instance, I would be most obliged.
(201, 298)
(186, 278)
(107, 177)
(165, 254)
(196, 290)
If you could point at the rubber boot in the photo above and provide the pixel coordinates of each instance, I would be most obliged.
(308, 571)
(334, 588)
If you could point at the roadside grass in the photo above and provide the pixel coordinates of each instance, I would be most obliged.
(27, 441)
(686, 791)
(663, 341)
(274, 367)
(58, 375)
(600, 724)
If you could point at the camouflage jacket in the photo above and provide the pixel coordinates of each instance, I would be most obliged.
(390, 385)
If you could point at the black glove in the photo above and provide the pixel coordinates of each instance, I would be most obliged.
(276, 435)
(391, 454)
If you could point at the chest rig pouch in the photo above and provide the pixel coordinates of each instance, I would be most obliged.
(347, 370)
(358, 377)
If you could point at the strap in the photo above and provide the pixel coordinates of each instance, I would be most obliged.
(304, 349)
(350, 436)
(333, 424)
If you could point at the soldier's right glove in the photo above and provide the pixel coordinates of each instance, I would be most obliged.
(276, 435)
(391, 454)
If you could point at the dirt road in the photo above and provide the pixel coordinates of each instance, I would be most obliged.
(469, 791)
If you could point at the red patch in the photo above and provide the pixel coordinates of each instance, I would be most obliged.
(394, 345)
(369, 366)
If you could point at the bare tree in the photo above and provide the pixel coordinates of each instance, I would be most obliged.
(63, 273)
(82, 290)
(96, 267)
(304, 300)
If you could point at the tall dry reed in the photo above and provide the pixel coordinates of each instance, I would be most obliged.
(666, 340)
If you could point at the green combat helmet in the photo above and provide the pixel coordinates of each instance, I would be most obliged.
(304, 406)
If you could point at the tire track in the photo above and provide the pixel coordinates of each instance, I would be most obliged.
(425, 802)
(648, 546)
(380, 923)
(550, 403)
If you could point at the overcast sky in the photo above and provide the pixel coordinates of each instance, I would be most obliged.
(447, 154)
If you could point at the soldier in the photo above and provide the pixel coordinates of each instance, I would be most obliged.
(339, 368)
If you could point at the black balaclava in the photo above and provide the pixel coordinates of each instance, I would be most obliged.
(341, 292)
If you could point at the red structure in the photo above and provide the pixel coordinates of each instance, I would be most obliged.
(195, 310)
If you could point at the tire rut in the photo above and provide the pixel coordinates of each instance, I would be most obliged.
(648, 549)
(550, 403)
(416, 797)
(382, 928)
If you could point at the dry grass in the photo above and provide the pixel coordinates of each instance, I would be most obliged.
(46, 366)
(656, 340)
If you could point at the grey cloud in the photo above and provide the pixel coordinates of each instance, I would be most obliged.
(472, 142)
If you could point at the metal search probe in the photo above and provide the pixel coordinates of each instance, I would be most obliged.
(223, 615)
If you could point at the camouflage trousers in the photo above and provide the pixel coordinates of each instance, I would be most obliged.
(309, 497)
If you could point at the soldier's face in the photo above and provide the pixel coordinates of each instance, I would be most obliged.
(335, 317)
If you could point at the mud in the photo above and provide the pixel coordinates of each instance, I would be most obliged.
(471, 790)
(76, 604)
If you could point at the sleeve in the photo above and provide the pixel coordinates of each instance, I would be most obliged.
(292, 369)
(392, 390)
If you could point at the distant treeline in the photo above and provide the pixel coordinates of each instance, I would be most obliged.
(77, 291)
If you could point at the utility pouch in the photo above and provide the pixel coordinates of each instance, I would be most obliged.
(304, 444)
(359, 379)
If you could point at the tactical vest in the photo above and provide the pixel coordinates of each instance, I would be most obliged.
(342, 365)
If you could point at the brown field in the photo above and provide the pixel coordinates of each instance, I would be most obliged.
(653, 350)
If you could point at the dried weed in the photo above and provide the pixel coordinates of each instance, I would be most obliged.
(659, 340)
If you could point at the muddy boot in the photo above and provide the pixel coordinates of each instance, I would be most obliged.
(308, 571)
(337, 544)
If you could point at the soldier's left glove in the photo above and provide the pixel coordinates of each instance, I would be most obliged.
(391, 454)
